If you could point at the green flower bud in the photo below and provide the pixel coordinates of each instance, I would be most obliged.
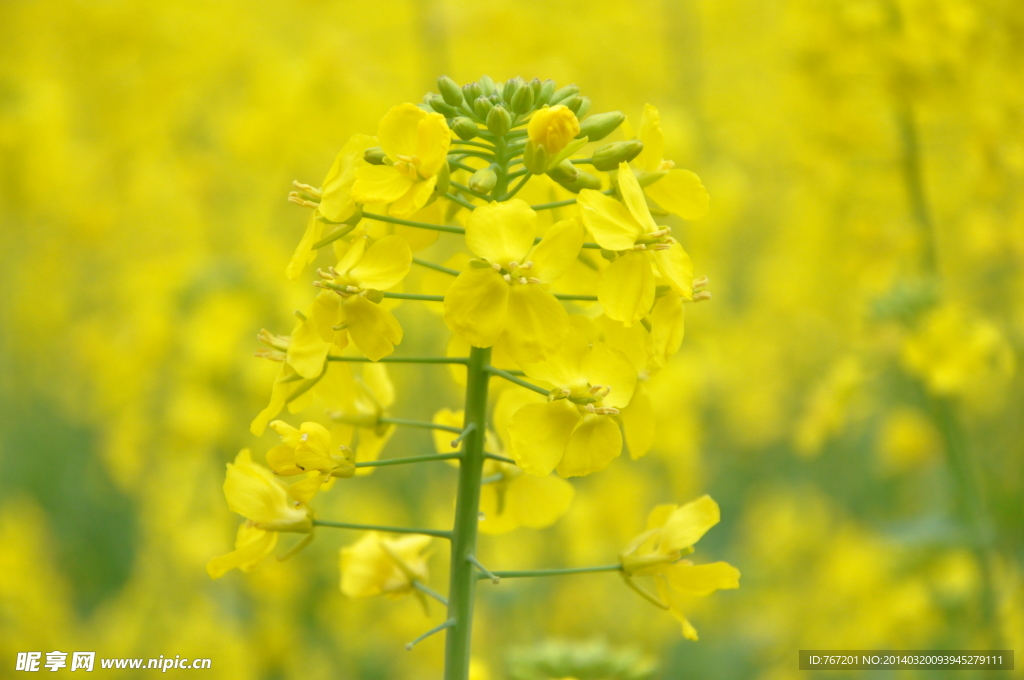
(512, 86)
(450, 91)
(464, 128)
(483, 180)
(609, 156)
(486, 86)
(564, 172)
(600, 125)
(536, 85)
(584, 180)
(584, 106)
(499, 121)
(535, 158)
(522, 100)
(563, 93)
(471, 91)
(482, 106)
(572, 103)
(547, 89)
(374, 155)
(438, 103)
(444, 176)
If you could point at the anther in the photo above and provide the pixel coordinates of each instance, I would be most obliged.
(508, 278)
(640, 246)
(661, 246)
(534, 279)
(702, 295)
(497, 267)
(513, 264)
(523, 280)
(294, 197)
(700, 284)
(313, 191)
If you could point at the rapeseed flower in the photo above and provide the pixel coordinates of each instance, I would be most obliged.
(500, 297)
(574, 432)
(676, 190)
(415, 145)
(307, 450)
(375, 565)
(643, 251)
(671, 533)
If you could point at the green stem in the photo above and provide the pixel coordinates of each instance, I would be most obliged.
(414, 296)
(532, 573)
(582, 298)
(411, 223)
(482, 145)
(402, 360)
(430, 592)
(420, 423)
(518, 381)
(436, 267)
(409, 459)
(516, 188)
(462, 586)
(455, 198)
(500, 459)
(439, 533)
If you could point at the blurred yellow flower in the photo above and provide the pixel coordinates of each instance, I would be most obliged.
(362, 402)
(254, 493)
(415, 144)
(500, 296)
(574, 432)
(671, 533)
(251, 546)
(384, 566)
(627, 287)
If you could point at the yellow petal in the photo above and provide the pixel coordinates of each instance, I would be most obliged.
(475, 306)
(633, 197)
(304, 253)
(365, 567)
(538, 502)
(667, 327)
(502, 232)
(702, 579)
(539, 434)
(283, 386)
(383, 265)
(638, 423)
(373, 329)
(566, 368)
(557, 250)
(626, 289)
(399, 130)
(305, 490)
(633, 341)
(252, 491)
(610, 368)
(378, 381)
(667, 595)
(307, 350)
(651, 135)
(433, 139)
(281, 460)
(536, 323)
(251, 546)
(611, 223)
(508, 402)
(414, 199)
(686, 525)
(681, 192)
(379, 184)
(336, 202)
(674, 264)
(371, 442)
(594, 444)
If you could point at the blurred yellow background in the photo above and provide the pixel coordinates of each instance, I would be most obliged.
(850, 397)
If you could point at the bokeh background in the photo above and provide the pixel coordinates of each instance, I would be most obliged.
(851, 396)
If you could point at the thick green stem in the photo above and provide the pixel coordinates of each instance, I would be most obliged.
(462, 587)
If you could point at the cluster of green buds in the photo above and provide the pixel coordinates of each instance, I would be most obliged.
(557, 123)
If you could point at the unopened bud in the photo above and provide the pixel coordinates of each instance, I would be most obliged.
(547, 88)
(584, 180)
(564, 172)
(583, 107)
(499, 121)
(561, 94)
(374, 155)
(600, 125)
(471, 91)
(512, 86)
(572, 102)
(483, 180)
(609, 156)
(450, 91)
(522, 100)
(486, 85)
(438, 103)
(482, 106)
(465, 128)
